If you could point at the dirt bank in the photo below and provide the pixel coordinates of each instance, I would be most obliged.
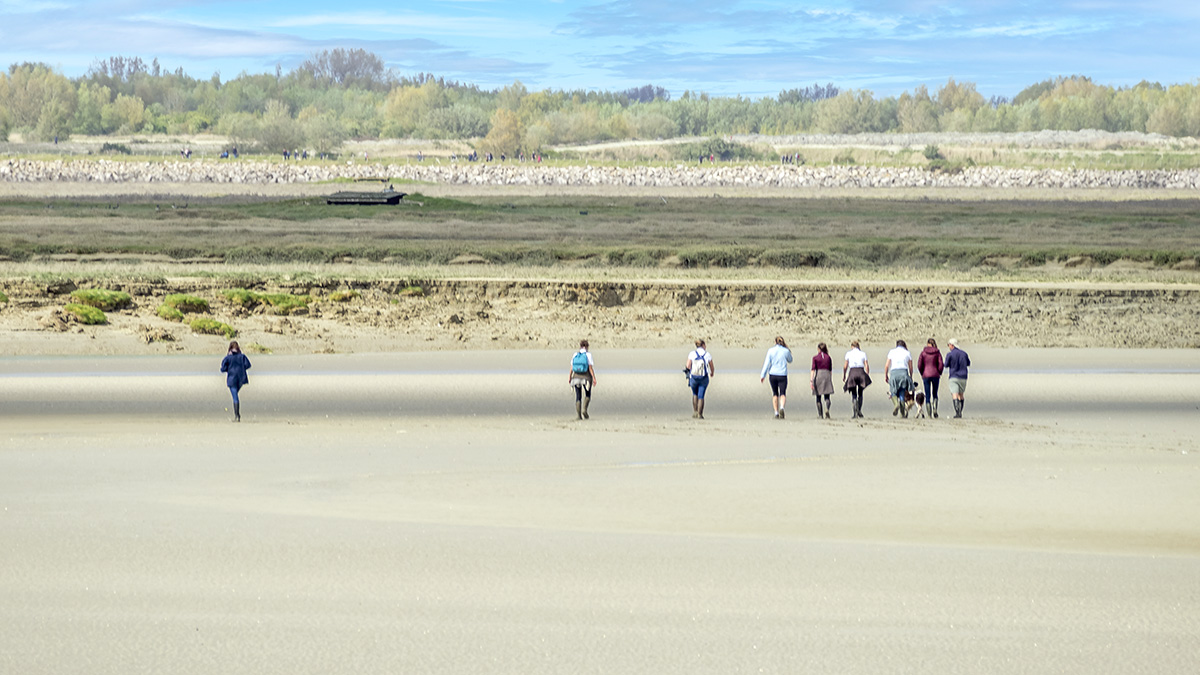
(415, 314)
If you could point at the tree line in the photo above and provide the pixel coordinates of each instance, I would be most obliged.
(349, 93)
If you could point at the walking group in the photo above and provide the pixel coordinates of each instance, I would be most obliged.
(699, 369)
(856, 377)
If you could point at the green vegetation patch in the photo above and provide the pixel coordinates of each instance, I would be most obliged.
(188, 304)
(209, 326)
(101, 298)
(283, 303)
(3, 298)
(169, 313)
(257, 348)
(412, 292)
(87, 314)
(343, 296)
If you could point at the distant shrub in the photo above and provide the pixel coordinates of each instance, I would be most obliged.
(101, 298)
(169, 313)
(844, 158)
(87, 314)
(948, 167)
(188, 304)
(115, 148)
(209, 326)
(933, 152)
(412, 292)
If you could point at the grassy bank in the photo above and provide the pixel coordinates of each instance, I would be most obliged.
(607, 232)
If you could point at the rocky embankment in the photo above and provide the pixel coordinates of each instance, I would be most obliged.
(479, 314)
(528, 174)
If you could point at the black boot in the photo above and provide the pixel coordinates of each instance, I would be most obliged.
(820, 409)
(237, 412)
(957, 408)
(935, 407)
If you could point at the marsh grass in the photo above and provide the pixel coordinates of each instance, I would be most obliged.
(210, 326)
(343, 296)
(86, 314)
(282, 303)
(101, 298)
(3, 298)
(618, 232)
(186, 304)
(169, 313)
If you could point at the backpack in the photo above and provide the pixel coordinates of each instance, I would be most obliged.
(699, 366)
(579, 364)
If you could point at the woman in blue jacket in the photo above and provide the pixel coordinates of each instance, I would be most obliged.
(235, 364)
(775, 367)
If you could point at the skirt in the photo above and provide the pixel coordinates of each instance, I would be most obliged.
(823, 383)
(857, 377)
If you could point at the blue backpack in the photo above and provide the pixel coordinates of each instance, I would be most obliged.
(579, 364)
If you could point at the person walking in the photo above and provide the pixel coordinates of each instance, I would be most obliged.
(235, 364)
(957, 363)
(699, 367)
(582, 378)
(899, 367)
(930, 366)
(856, 377)
(775, 368)
(820, 379)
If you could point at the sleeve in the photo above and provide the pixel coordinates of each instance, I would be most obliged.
(225, 365)
(246, 360)
(766, 366)
(788, 352)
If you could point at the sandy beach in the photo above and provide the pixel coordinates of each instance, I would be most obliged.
(442, 512)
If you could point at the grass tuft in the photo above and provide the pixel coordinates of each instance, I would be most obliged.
(169, 313)
(101, 298)
(187, 304)
(87, 314)
(209, 326)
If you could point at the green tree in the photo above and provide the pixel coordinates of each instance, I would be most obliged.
(506, 134)
(277, 130)
(916, 112)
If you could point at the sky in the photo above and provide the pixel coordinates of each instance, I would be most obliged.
(749, 48)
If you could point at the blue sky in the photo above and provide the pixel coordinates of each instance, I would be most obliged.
(752, 48)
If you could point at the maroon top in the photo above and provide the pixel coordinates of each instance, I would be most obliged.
(822, 361)
(929, 363)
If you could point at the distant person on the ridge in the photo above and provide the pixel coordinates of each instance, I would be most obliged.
(957, 363)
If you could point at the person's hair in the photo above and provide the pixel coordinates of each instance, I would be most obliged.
(234, 347)
(854, 343)
(900, 343)
(779, 341)
(822, 348)
(583, 343)
(932, 343)
(700, 342)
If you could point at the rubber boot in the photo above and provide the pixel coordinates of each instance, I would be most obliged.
(578, 410)
(586, 401)
(903, 408)
(854, 407)
(935, 408)
(237, 412)
(828, 407)
(820, 409)
(928, 409)
(896, 403)
(957, 408)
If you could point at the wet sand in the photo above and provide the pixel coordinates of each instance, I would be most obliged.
(442, 513)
